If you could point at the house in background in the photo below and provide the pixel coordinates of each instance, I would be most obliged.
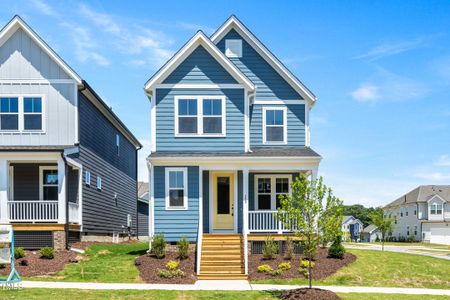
(142, 210)
(371, 234)
(68, 165)
(423, 214)
(230, 132)
(351, 228)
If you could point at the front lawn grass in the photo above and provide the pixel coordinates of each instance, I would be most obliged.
(73, 294)
(390, 269)
(406, 244)
(103, 263)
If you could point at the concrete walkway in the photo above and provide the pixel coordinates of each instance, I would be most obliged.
(225, 285)
(419, 250)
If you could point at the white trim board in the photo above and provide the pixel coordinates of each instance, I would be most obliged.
(199, 86)
(198, 39)
(234, 23)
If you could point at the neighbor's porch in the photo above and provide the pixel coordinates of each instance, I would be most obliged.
(39, 188)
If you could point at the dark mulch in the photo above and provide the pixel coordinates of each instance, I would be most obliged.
(33, 265)
(148, 266)
(310, 294)
(324, 267)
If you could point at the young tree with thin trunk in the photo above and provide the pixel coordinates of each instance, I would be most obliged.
(384, 222)
(303, 212)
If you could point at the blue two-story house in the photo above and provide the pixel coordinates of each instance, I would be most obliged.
(230, 132)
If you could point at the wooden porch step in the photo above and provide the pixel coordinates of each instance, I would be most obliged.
(222, 277)
(221, 262)
(222, 247)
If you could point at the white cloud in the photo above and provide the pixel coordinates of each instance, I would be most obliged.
(433, 176)
(44, 8)
(442, 161)
(366, 93)
(142, 160)
(393, 48)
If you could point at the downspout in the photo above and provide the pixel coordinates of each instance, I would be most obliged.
(137, 196)
(66, 224)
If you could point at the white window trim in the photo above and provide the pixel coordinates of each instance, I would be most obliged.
(41, 181)
(433, 201)
(200, 132)
(435, 205)
(185, 188)
(273, 191)
(285, 127)
(21, 113)
(87, 178)
(99, 183)
(232, 54)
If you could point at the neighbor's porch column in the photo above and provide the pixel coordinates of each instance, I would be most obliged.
(62, 197)
(3, 191)
(245, 215)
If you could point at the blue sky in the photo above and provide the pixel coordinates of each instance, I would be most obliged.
(380, 70)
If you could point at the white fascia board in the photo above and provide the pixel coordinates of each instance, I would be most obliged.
(234, 23)
(436, 196)
(198, 39)
(17, 23)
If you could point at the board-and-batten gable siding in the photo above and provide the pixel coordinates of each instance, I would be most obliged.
(200, 67)
(98, 155)
(165, 122)
(21, 59)
(174, 224)
(142, 219)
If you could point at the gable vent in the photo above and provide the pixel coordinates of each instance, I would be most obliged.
(233, 48)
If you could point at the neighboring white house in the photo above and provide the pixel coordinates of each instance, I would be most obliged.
(423, 213)
(371, 233)
(351, 228)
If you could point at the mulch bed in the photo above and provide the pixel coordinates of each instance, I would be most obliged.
(38, 266)
(148, 266)
(324, 266)
(310, 294)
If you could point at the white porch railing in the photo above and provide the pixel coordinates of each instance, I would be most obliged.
(265, 221)
(73, 212)
(33, 211)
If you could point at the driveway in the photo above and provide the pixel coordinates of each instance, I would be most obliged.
(419, 250)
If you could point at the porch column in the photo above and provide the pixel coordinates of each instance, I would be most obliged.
(3, 191)
(62, 181)
(245, 215)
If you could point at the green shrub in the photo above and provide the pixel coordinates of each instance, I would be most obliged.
(276, 272)
(270, 248)
(304, 271)
(19, 252)
(336, 250)
(47, 252)
(411, 239)
(264, 269)
(183, 248)
(159, 246)
(284, 266)
(172, 265)
(164, 273)
(289, 251)
(177, 273)
(2, 266)
(304, 263)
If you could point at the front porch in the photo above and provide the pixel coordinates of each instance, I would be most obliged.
(38, 188)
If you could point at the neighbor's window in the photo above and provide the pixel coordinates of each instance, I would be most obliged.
(436, 209)
(176, 188)
(88, 178)
(49, 183)
(200, 116)
(9, 113)
(274, 125)
(415, 229)
(407, 230)
(99, 183)
(32, 113)
(118, 144)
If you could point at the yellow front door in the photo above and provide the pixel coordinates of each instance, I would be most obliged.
(223, 200)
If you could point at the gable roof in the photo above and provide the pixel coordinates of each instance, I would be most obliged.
(370, 228)
(16, 23)
(143, 191)
(198, 39)
(423, 193)
(234, 23)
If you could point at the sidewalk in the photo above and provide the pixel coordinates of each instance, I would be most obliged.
(225, 285)
(417, 250)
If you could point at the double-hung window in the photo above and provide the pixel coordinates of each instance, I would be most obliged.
(274, 125)
(176, 189)
(9, 113)
(436, 209)
(48, 183)
(21, 113)
(200, 116)
(268, 190)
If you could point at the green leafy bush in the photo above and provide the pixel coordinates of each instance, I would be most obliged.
(19, 252)
(47, 252)
(172, 265)
(303, 271)
(159, 246)
(304, 263)
(336, 250)
(284, 266)
(289, 251)
(183, 248)
(177, 273)
(270, 248)
(411, 239)
(276, 272)
(164, 273)
(264, 269)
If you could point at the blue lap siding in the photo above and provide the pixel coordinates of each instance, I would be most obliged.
(165, 122)
(174, 224)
